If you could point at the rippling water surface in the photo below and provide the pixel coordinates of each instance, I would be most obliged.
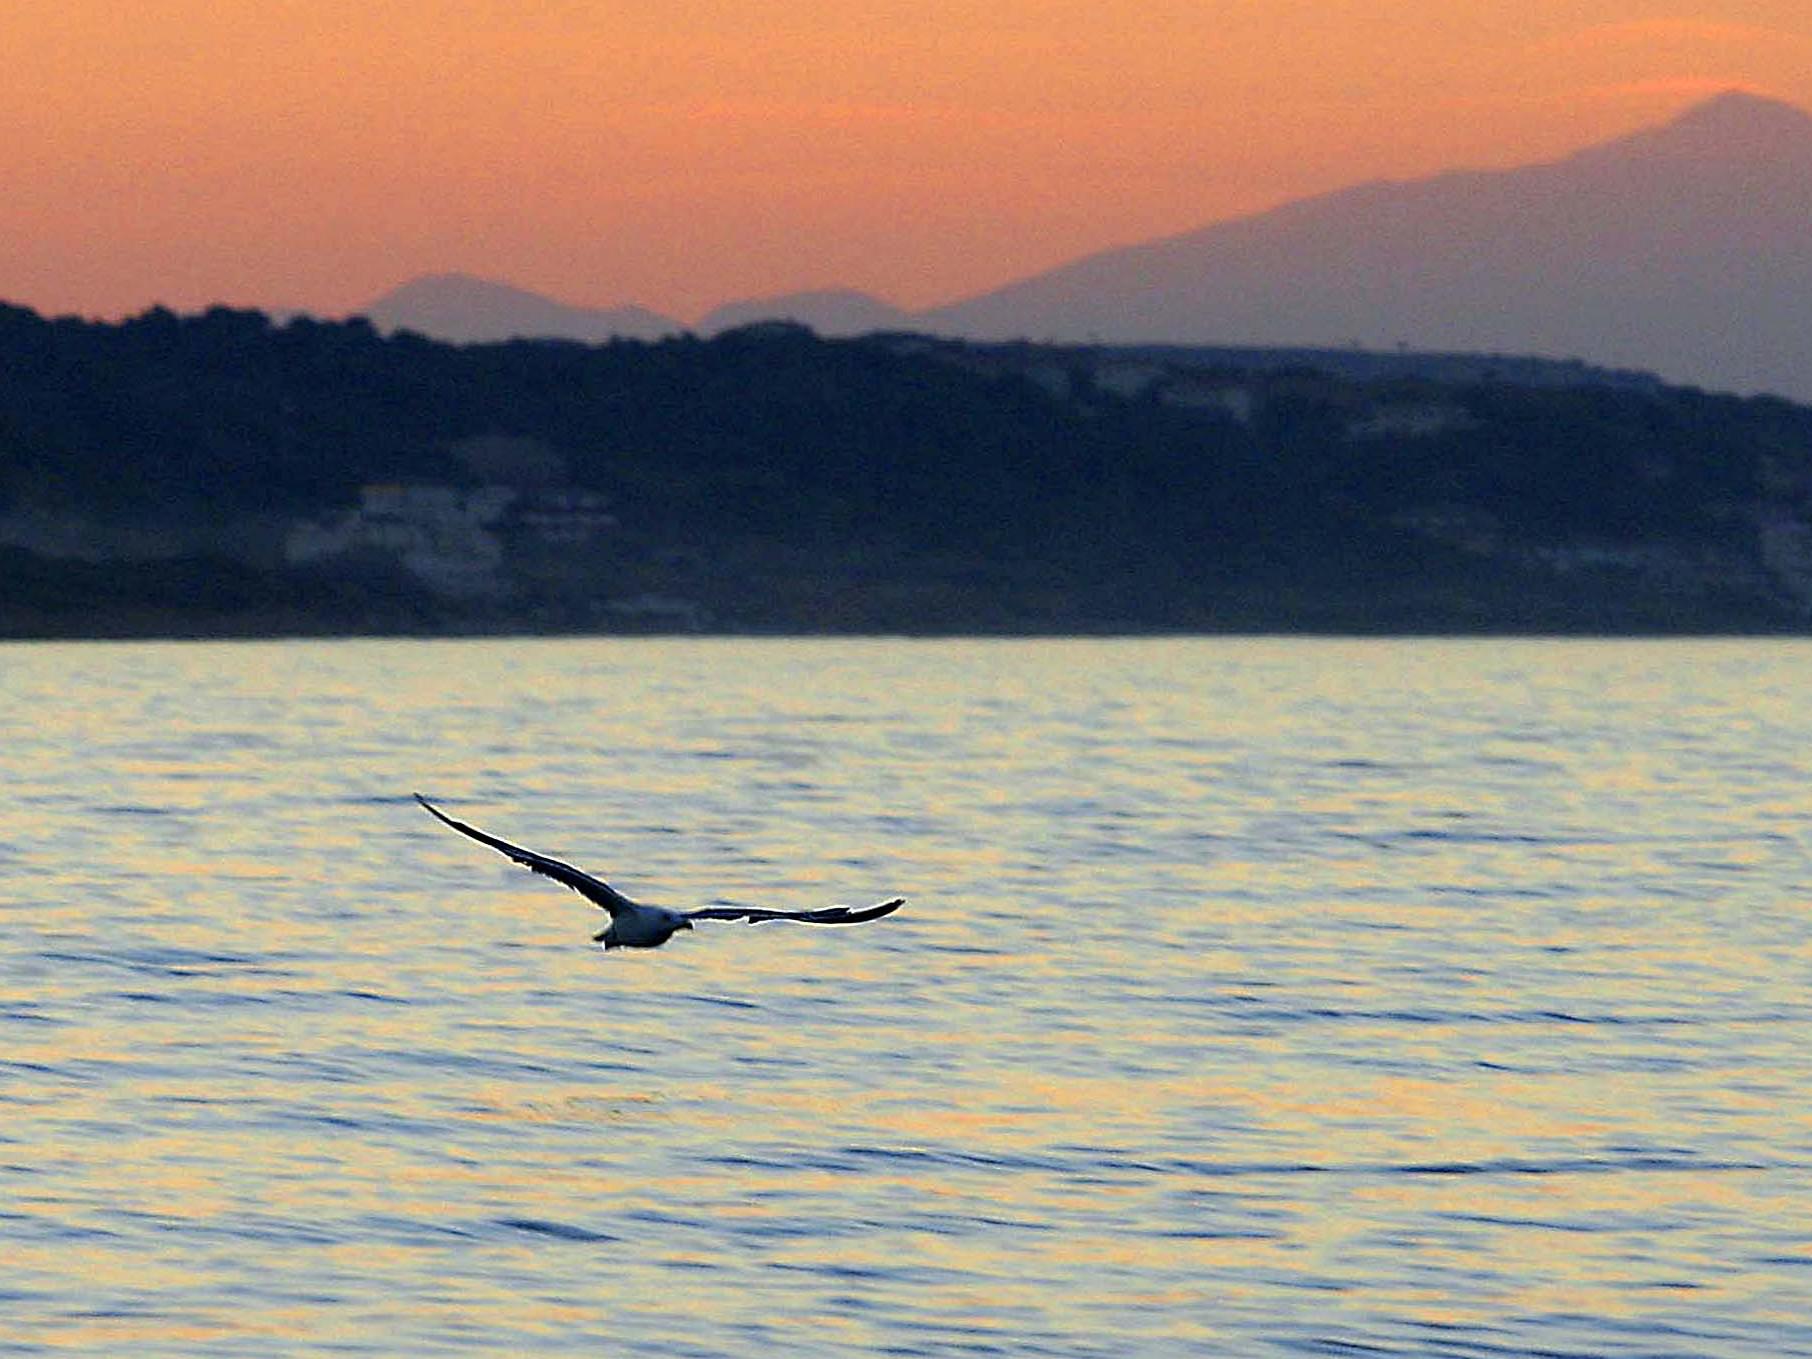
(1253, 997)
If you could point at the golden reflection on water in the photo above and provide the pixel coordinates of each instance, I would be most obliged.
(1250, 995)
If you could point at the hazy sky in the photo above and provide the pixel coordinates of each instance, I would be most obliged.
(679, 153)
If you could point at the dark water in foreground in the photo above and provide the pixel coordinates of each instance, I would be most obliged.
(1254, 998)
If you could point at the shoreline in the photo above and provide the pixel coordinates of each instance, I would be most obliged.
(224, 631)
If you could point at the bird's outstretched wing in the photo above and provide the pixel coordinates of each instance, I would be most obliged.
(593, 889)
(827, 915)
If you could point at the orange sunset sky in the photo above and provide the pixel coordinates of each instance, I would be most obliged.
(681, 153)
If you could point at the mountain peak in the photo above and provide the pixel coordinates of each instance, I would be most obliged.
(452, 284)
(1743, 112)
(1733, 126)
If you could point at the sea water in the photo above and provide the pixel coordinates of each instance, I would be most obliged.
(1252, 997)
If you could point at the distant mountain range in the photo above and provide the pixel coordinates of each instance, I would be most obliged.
(1685, 249)
(831, 312)
(465, 310)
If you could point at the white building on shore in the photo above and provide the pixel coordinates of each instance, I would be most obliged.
(444, 536)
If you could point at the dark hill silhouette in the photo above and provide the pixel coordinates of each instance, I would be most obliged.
(1682, 248)
(220, 472)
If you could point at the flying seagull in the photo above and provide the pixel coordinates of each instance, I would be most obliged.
(634, 924)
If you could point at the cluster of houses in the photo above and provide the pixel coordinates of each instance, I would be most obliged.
(454, 540)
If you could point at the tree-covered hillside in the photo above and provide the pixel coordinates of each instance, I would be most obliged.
(770, 479)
